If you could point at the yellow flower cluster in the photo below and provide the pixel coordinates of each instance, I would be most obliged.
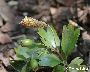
(30, 22)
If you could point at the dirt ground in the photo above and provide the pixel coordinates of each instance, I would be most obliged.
(55, 12)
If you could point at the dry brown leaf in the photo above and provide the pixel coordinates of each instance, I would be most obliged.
(66, 2)
(2, 69)
(7, 27)
(53, 10)
(7, 16)
(80, 12)
(86, 36)
(4, 60)
(6, 12)
(62, 13)
(4, 38)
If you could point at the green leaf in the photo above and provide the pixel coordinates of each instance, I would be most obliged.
(43, 35)
(56, 38)
(20, 66)
(36, 53)
(21, 52)
(69, 38)
(76, 68)
(24, 69)
(24, 52)
(49, 60)
(17, 65)
(49, 37)
(59, 68)
(77, 61)
(75, 65)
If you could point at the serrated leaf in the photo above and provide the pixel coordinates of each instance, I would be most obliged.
(77, 61)
(43, 37)
(57, 40)
(75, 65)
(69, 38)
(49, 60)
(49, 37)
(76, 68)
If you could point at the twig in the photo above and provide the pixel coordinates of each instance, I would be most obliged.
(20, 36)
